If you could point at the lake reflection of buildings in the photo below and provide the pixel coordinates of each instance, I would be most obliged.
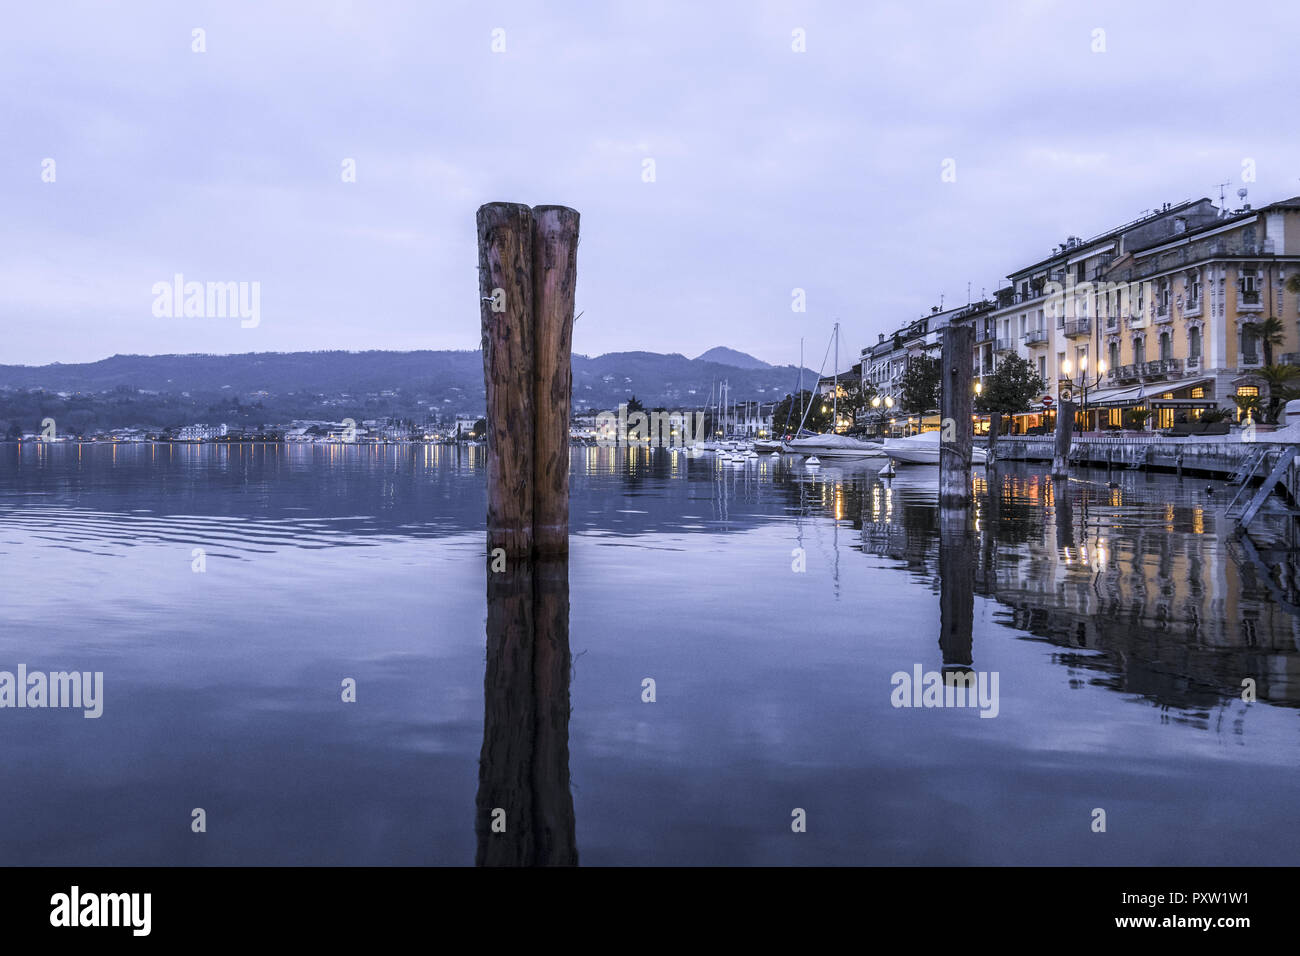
(1160, 588)
(1159, 595)
(524, 808)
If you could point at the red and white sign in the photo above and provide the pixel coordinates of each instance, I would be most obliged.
(1047, 401)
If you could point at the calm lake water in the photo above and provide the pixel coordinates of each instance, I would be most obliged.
(1121, 622)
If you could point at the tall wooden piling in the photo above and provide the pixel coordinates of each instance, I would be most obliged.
(956, 397)
(1064, 436)
(995, 427)
(505, 250)
(555, 275)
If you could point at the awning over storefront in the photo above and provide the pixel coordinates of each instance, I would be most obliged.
(1149, 394)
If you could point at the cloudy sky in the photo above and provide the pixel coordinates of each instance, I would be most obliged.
(774, 169)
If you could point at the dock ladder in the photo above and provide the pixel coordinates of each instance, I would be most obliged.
(1246, 470)
(1262, 493)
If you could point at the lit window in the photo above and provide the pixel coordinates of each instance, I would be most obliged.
(1247, 390)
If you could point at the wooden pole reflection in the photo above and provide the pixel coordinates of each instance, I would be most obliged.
(524, 808)
(957, 549)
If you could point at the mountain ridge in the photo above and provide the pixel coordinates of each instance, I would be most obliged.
(446, 380)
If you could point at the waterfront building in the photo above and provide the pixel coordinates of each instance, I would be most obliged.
(752, 419)
(1158, 314)
(201, 432)
(1051, 312)
(884, 364)
(1191, 339)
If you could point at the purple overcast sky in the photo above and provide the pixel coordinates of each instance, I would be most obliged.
(774, 169)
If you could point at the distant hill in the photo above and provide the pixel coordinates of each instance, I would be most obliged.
(725, 356)
(409, 383)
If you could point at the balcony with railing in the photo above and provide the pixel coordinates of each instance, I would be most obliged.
(1145, 371)
(1004, 345)
(1164, 315)
(1136, 321)
(1036, 337)
(1289, 358)
(1249, 300)
(1078, 327)
(1162, 368)
(1192, 307)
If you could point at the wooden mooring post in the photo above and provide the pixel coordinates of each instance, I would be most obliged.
(1064, 436)
(527, 279)
(956, 432)
(505, 267)
(555, 276)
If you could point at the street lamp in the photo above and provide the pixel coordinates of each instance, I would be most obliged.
(1084, 382)
(876, 403)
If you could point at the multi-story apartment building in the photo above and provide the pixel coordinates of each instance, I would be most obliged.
(1160, 313)
(884, 364)
(1052, 312)
(201, 432)
(1188, 337)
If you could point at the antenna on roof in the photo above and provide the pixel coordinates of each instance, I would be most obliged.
(1223, 204)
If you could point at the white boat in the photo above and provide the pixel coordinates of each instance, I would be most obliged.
(923, 449)
(835, 446)
(812, 462)
(763, 444)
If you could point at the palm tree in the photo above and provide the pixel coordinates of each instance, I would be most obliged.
(1279, 379)
(1270, 332)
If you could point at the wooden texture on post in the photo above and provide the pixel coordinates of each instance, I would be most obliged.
(505, 232)
(956, 400)
(555, 274)
(1064, 435)
(995, 426)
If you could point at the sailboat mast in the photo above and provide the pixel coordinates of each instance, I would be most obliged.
(835, 401)
(800, 389)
